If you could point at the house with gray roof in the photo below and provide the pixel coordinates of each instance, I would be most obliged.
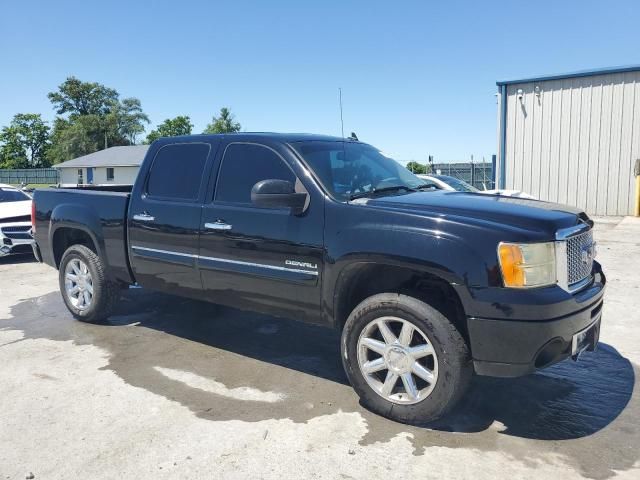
(112, 166)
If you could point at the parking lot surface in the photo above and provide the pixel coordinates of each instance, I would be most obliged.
(174, 388)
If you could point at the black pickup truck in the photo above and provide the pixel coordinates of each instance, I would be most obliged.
(427, 287)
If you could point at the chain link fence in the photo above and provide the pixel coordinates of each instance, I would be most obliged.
(480, 175)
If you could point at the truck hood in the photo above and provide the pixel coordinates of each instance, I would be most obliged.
(522, 213)
(14, 209)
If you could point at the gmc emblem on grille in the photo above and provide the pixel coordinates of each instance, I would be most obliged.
(587, 254)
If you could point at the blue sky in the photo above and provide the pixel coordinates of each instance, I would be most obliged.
(418, 78)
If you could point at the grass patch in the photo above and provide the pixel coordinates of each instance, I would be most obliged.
(33, 185)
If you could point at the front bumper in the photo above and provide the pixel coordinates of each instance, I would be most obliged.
(506, 347)
(15, 238)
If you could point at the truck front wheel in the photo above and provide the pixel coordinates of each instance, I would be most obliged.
(404, 358)
(87, 293)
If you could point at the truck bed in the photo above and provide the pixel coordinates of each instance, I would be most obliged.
(100, 212)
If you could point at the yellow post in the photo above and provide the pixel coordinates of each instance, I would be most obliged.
(637, 198)
(637, 212)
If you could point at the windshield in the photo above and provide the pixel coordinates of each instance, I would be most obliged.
(457, 184)
(12, 195)
(348, 169)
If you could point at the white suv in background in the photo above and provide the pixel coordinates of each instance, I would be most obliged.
(445, 182)
(15, 221)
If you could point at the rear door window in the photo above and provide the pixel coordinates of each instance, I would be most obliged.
(243, 166)
(177, 171)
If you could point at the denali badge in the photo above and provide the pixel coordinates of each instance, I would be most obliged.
(295, 263)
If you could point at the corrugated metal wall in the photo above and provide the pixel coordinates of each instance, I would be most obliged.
(575, 140)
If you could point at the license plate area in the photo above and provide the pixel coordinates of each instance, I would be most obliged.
(585, 340)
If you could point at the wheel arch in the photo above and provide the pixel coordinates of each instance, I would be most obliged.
(72, 223)
(362, 279)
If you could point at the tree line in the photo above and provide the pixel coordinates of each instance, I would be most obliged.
(89, 117)
(419, 168)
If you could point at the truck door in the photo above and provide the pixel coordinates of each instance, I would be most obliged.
(263, 259)
(164, 217)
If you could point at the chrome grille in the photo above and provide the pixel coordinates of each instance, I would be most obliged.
(580, 253)
(17, 233)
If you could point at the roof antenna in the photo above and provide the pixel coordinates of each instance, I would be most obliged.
(341, 121)
(354, 137)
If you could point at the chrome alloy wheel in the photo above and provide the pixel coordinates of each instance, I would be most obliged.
(78, 284)
(392, 349)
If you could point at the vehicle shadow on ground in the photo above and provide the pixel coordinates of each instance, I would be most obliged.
(153, 339)
(567, 401)
(17, 259)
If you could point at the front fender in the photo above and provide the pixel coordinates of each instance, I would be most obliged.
(440, 256)
(437, 252)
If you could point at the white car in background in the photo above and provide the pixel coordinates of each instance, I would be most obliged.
(15, 221)
(445, 182)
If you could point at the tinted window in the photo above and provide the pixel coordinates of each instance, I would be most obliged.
(177, 171)
(245, 165)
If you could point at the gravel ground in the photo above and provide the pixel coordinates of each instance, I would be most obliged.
(173, 388)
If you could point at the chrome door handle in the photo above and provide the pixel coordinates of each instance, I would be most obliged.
(219, 225)
(144, 217)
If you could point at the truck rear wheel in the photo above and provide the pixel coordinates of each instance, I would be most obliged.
(86, 292)
(404, 359)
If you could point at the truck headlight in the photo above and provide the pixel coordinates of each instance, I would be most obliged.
(526, 265)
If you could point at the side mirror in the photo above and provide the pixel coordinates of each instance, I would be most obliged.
(278, 194)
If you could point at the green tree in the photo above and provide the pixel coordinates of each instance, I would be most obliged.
(24, 143)
(127, 119)
(224, 123)
(94, 118)
(171, 127)
(76, 97)
(74, 138)
(416, 167)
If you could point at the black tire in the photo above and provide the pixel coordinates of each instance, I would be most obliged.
(105, 293)
(454, 365)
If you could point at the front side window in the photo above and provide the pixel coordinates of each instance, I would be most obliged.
(110, 174)
(177, 170)
(243, 166)
(349, 169)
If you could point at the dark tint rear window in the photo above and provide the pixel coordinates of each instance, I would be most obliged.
(177, 171)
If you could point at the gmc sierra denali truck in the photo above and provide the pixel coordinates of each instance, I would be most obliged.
(427, 287)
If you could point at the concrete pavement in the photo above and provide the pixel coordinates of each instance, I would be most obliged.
(173, 388)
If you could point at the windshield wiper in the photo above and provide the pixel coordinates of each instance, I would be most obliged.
(375, 191)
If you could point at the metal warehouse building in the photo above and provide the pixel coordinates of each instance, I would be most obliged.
(572, 138)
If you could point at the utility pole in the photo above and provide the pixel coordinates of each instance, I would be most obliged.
(473, 172)
(341, 121)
